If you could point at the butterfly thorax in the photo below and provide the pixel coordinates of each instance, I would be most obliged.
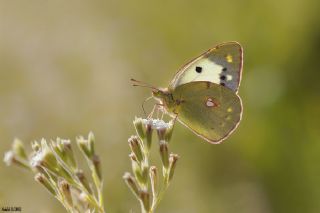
(166, 99)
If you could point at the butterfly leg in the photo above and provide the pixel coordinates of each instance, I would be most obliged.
(175, 118)
(151, 113)
(162, 111)
(162, 114)
(158, 111)
(157, 107)
(142, 105)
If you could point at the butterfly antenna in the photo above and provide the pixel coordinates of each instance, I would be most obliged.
(142, 84)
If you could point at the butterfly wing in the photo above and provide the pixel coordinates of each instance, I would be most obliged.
(221, 65)
(209, 110)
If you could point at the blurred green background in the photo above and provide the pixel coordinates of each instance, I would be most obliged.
(65, 70)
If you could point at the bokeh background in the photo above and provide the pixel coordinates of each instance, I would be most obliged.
(65, 68)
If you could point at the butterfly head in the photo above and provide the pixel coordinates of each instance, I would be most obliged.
(163, 95)
(159, 93)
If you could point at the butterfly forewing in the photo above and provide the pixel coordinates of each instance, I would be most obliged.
(210, 110)
(221, 65)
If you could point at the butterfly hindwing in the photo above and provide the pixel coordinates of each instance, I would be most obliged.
(221, 65)
(210, 110)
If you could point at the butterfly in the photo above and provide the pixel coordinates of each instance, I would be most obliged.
(203, 94)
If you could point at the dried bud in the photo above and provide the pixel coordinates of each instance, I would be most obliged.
(97, 166)
(84, 181)
(141, 173)
(137, 171)
(45, 157)
(91, 141)
(164, 153)
(58, 149)
(138, 124)
(64, 188)
(65, 174)
(144, 174)
(136, 147)
(84, 198)
(19, 149)
(164, 129)
(64, 150)
(169, 131)
(11, 159)
(131, 183)
(161, 133)
(69, 153)
(172, 164)
(83, 146)
(145, 199)
(41, 178)
(133, 157)
(153, 179)
(43, 171)
(148, 126)
(35, 146)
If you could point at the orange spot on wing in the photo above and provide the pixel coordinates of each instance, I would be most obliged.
(211, 103)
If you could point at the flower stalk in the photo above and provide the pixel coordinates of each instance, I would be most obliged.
(146, 184)
(56, 168)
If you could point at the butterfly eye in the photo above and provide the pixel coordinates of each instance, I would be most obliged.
(198, 69)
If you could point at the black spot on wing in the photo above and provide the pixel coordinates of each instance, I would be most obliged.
(198, 69)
